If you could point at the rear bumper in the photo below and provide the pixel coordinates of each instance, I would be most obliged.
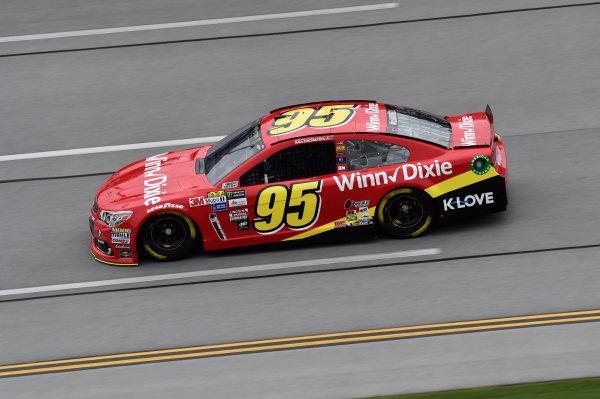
(106, 251)
(486, 196)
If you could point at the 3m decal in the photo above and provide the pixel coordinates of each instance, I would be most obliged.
(468, 201)
(120, 235)
(196, 201)
(296, 207)
(318, 118)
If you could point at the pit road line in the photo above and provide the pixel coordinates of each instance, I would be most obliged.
(218, 272)
(203, 22)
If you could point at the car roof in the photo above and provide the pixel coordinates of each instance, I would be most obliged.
(331, 117)
(355, 112)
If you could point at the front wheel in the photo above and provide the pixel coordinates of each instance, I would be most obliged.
(405, 212)
(169, 236)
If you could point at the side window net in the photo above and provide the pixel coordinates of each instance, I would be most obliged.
(296, 162)
(364, 154)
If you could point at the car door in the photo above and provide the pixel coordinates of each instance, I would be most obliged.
(283, 194)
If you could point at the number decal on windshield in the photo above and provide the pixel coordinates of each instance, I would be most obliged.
(296, 207)
(318, 118)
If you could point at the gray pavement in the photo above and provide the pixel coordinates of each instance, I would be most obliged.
(341, 372)
(540, 71)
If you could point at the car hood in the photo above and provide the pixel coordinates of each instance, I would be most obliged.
(154, 180)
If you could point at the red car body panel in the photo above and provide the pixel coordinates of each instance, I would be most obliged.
(229, 214)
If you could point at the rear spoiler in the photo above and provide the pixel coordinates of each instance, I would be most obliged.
(473, 130)
(488, 112)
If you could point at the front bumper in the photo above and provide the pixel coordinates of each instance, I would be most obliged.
(105, 250)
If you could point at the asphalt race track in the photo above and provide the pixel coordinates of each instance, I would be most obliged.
(535, 62)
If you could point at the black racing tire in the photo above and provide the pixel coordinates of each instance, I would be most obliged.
(169, 236)
(405, 212)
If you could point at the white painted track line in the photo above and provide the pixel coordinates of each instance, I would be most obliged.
(218, 272)
(109, 148)
(185, 24)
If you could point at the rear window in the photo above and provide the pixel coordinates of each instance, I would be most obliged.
(409, 122)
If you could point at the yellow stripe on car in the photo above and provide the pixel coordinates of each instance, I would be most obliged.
(460, 181)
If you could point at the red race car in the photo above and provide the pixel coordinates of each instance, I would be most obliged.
(300, 171)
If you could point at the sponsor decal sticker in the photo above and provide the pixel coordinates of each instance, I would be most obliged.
(125, 254)
(238, 202)
(363, 210)
(238, 214)
(220, 206)
(196, 201)
(498, 157)
(341, 160)
(350, 203)
(243, 224)
(214, 200)
(167, 205)
(374, 123)
(154, 180)
(120, 235)
(213, 194)
(409, 172)
(339, 224)
(313, 139)
(480, 164)
(341, 168)
(121, 246)
(229, 184)
(466, 125)
(233, 194)
(468, 201)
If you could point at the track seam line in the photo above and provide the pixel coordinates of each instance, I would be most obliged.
(375, 24)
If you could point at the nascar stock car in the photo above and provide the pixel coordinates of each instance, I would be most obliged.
(301, 171)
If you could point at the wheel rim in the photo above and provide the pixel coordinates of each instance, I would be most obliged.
(405, 211)
(168, 233)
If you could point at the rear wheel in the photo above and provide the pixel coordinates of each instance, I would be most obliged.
(405, 213)
(169, 236)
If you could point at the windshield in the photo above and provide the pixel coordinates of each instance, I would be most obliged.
(409, 122)
(232, 151)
